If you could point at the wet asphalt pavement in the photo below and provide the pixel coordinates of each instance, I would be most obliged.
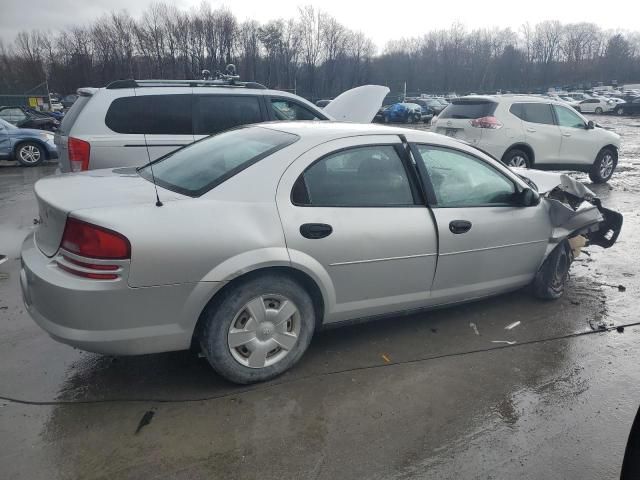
(422, 396)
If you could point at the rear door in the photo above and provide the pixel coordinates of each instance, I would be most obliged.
(455, 120)
(540, 130)
(214, 113)
(350, 209)
(488, 243)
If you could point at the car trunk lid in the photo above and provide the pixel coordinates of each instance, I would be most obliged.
(60, 195)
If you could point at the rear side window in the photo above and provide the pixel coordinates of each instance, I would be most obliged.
(468, 109)
(196, 169)
(533, 112)
(371, 176)
(215, 113)
(151, 115)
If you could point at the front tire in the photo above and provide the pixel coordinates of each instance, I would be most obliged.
(604, 166)
(29, 154)
(258, 329)
(598, 111)
(516, 158)
(551, 279)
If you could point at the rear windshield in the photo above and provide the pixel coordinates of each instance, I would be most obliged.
(70, 117)
(470, 109)
(196, 169)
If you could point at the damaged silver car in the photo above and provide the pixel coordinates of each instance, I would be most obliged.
(245, 243)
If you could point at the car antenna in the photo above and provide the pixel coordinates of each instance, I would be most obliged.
(153, 177)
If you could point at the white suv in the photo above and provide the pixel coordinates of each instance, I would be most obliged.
(132, 122)
(525, 131)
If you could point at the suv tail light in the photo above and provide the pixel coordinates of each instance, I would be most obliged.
(92, 242)
(78, 151)
(486, 122)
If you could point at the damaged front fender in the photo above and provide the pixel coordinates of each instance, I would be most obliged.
(574, 209)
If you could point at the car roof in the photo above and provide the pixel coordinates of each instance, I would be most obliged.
(320, 131)
(510, 98)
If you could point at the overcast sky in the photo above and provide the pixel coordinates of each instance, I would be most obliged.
(380, 21)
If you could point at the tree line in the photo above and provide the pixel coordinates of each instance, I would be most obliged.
(314, 54)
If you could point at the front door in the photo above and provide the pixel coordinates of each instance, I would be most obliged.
(488, 244)
(350, 209)
(578, 145)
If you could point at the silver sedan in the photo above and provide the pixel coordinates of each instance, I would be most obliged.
(245, 243)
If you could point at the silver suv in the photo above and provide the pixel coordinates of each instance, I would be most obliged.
(529, 131)
(131, 122)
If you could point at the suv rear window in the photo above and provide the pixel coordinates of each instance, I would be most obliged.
(151, 115)
(468, 109)
(201, 166)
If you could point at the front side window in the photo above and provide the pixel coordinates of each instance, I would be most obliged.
(371, 176)
(288, 110)
(215, 113)
(196, 169)
(567, 118)
(151, 115)
(461, 180)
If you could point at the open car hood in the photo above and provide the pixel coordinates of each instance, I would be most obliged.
(574, 209)
(358, 105)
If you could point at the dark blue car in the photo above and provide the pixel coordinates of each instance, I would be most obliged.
(28, 146)
(403, 112)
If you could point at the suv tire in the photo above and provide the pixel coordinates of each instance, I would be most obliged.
(604, 166)
(516, 158)
(244, 322)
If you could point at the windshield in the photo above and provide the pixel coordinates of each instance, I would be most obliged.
(196, 169)
(7, 125)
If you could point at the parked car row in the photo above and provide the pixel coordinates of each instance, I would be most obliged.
(25, 117)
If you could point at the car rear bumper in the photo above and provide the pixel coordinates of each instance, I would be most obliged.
(109, 317)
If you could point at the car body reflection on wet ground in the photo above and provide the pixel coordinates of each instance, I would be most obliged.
(420, 396)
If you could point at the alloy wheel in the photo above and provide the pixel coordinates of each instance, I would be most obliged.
(518, 161)
(264, 331)
(606, 165)
(29, 154)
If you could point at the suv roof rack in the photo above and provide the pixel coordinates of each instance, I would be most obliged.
(131, 83)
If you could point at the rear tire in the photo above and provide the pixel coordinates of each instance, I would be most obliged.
(29, 154)
(598, 111)
(258, 329)
(551, 279)
(516, 158)
(604, 166)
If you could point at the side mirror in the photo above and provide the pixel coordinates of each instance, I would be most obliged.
(528, 198)
(590, 125)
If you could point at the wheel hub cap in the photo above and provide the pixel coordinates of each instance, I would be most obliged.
(518, 161)
(264, 331)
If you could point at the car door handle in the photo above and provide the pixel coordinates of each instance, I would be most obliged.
(531, 130)
(459, 226)
(315, 230)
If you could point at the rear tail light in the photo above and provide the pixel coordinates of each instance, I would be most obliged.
(92, 242)
(486, 122)
(78, 151)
